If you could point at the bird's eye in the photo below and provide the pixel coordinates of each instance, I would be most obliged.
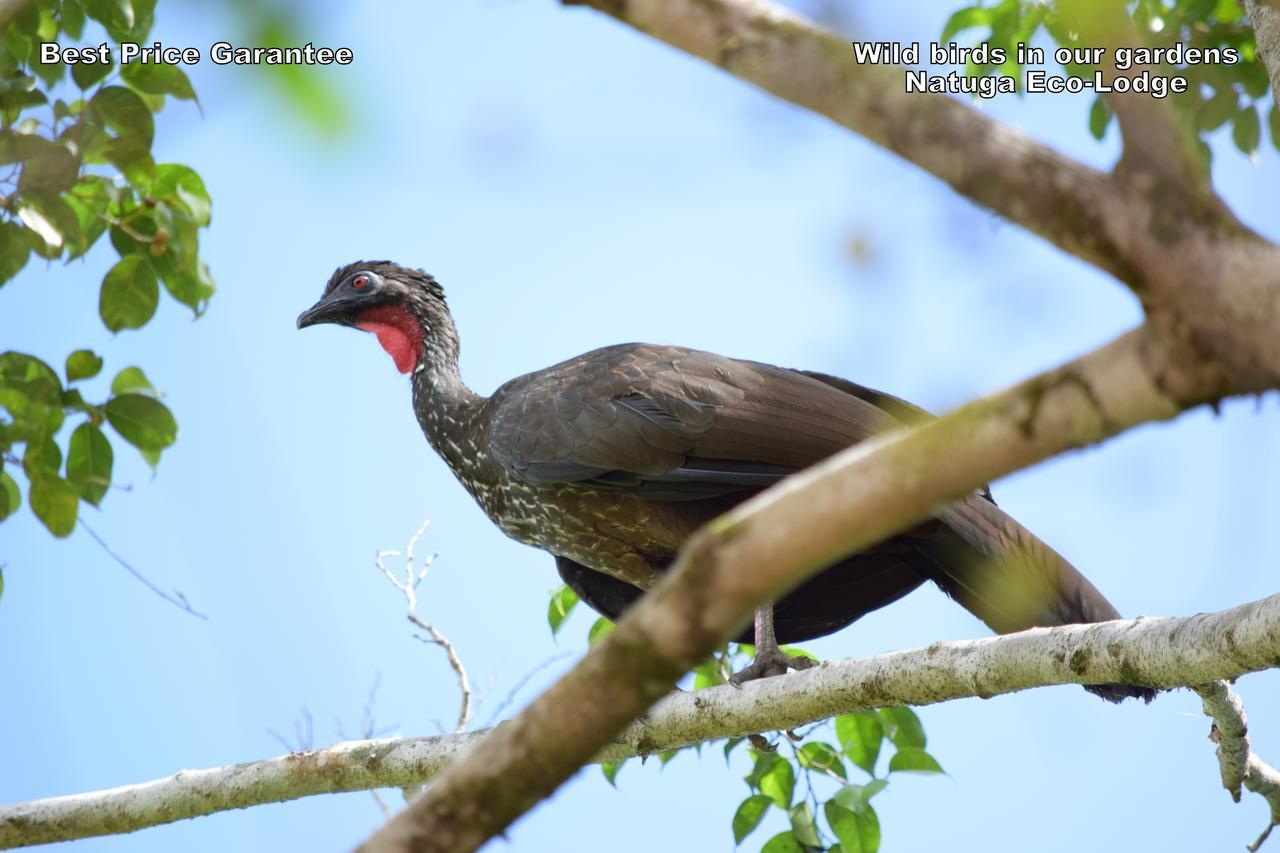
(360, 282)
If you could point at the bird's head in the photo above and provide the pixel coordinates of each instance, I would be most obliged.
(404, 308)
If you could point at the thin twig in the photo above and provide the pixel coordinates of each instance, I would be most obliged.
(519, 685)
(409, 587)
(177, 599)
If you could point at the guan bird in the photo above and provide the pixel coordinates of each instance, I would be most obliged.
(612, 459)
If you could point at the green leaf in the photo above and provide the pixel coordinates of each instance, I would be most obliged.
(10, 497)
(129, 295)
(1247, 131)
(610, 770)
(860, 734)
(116, 15)
(1214, 112)
(874, 787)
(748, 816)
(964, 19)
(14, 250)
(89, 460)
(54, 502)
(844, 824)
(822, 757)
(132, 380)
(903, 727)
(561, 605)
(803, 826)
(729, 746)
(42, 454)
(664, 758)
(857, 830)
(83, 364)
(71, 18)
(87, 75)
(43, 226)
(181, 183)
(121, 109)
(1273, 122)
(144, 422)
(158, 79)
(912, 760)
(31, 392)
(53, 168)
(778, 783)
(1099, 117)
(783, 842)
(599, 630)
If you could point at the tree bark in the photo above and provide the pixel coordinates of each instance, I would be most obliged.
(1161, 652)
(1264, 17)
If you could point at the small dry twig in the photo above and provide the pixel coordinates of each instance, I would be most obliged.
(176, 598)
(409, 586)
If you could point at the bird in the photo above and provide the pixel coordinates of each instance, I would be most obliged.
(610, 460)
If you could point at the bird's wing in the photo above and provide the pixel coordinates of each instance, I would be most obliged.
(673, 424)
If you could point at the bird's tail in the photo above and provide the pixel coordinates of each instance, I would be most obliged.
(1000, 572)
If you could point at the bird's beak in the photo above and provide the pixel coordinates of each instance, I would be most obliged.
(333, 308)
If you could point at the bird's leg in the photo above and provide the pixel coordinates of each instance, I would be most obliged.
(769, 659)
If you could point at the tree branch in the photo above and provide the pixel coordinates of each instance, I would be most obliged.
(1240, 766)
(1154, 140)
(767, 545)
(1264, 17)
(1160, 652)
(994, 164)
(1195, 267)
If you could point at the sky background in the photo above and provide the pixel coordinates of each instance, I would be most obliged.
(573, 184)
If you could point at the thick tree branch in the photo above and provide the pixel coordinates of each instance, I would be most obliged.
(1193, 265)
(1264, 17)
(992, 163)
(1162, 652)
(765, 546)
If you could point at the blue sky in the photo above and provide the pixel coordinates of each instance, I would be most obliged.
(573, 184)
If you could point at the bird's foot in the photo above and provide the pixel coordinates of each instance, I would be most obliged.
(770, 662)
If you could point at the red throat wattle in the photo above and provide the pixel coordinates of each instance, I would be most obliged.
(398, 331)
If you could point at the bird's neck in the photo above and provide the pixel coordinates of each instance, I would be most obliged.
(446, 408)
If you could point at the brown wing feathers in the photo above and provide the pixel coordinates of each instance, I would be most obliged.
(669, 424)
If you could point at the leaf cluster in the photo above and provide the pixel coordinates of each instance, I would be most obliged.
(76, 164)
(1218, 95)
(843, 819)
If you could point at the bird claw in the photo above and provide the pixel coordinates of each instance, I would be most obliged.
(769, 662)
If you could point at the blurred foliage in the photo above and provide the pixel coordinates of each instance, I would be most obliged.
(314, 99)
(76, 164)
(1217, 94)
(829, 811)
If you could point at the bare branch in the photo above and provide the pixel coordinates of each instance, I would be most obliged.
(409, 586)
(1264, 17)
(763, 547)
(1240, 766)
(177, 599)
(1160, 652)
